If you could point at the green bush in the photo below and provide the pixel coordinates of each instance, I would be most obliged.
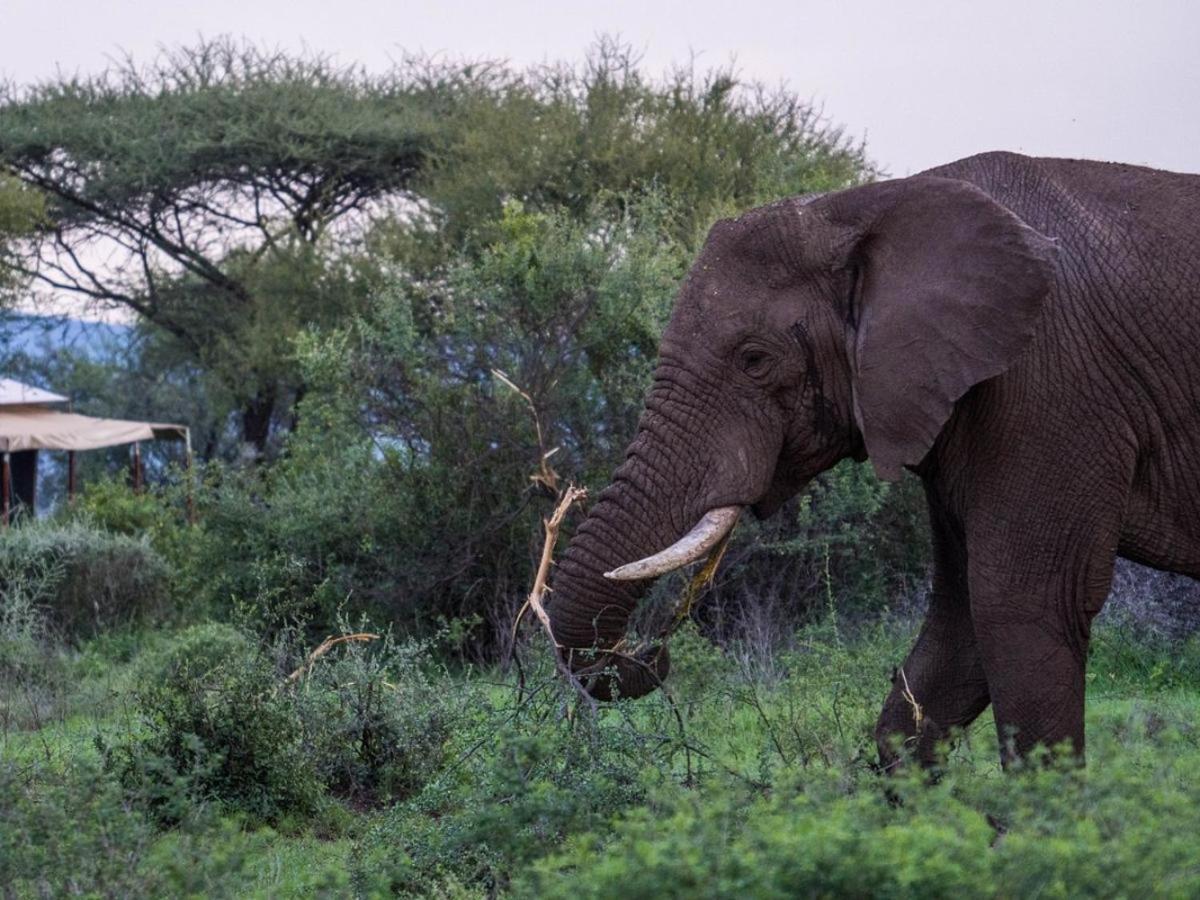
(24, 589)
(74, 832)
(285, 546)
(521, 778)
(157, 512)
(374, 723)
(1049, 832)
(87, 580)
(362, 722)
(212, 710)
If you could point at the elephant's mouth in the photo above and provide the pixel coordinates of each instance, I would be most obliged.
(714, 526)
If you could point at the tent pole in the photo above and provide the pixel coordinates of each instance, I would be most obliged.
(70, 476)
(136, 466)
(190, 476)
(4, 489)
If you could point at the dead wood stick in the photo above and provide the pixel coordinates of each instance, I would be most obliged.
(324, 647)
(569, 497)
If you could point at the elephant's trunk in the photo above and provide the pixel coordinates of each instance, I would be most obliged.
(590, 613)
(653, 501)
(678, 493)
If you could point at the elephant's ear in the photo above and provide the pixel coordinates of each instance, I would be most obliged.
(948, 289)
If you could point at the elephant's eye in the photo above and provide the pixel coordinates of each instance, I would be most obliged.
(755, 362)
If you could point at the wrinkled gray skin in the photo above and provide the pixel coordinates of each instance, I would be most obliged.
(1020, 333)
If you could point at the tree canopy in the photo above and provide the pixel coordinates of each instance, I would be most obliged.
(234, 197)
(21, 210)
(183, 190)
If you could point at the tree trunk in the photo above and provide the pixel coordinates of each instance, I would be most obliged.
(257, 413)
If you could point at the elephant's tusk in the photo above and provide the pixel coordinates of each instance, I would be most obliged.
(712, 527)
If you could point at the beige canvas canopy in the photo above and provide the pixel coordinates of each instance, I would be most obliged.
(29, 424)
(39, 428)
(14, 393)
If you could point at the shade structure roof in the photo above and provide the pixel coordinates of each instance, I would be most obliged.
(14, 393)
(30, 427)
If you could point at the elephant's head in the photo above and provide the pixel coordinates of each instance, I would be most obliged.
(809, 330)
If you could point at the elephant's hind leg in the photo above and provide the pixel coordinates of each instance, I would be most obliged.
(941, 685)
(1035, 587)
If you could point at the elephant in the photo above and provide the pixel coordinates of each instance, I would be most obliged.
(1019, 333)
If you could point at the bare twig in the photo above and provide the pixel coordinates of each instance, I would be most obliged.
(917, 711)
(545, 475)
(324, 647)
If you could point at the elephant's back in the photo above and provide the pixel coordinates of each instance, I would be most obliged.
(1120, 330)
(1063, 195)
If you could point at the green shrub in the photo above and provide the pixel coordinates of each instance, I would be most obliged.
(1047, 832)
(363, 722)
(157, 512)
(87, 580)
(284, 546)
(374, 724)
(24, 590)
(74, 832)
(212, 710)
(522, 777)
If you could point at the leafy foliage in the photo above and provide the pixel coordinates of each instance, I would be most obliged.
(239, 189)
(746, 781)
(73, 832)
(1060, 833)
(561, 137)
(216, 714)
(212, 714)
(763, 787)
(375, 723)
(78, 579)
(21, 210)
(215, 175)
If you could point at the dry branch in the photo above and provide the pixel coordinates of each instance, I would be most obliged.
(324, 647)
(534, 602)
(545, 475)
(917, 711)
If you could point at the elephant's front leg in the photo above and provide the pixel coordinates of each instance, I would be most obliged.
(941, 685)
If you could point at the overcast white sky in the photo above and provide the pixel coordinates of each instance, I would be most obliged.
(924, 82)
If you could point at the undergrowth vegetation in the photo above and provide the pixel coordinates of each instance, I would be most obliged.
(223, 764)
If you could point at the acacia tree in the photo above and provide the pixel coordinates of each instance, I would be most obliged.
(21, 209)
(561, 218)
(215, 193)
(564, 137)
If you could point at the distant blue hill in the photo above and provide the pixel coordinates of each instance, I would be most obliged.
(40, 336)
